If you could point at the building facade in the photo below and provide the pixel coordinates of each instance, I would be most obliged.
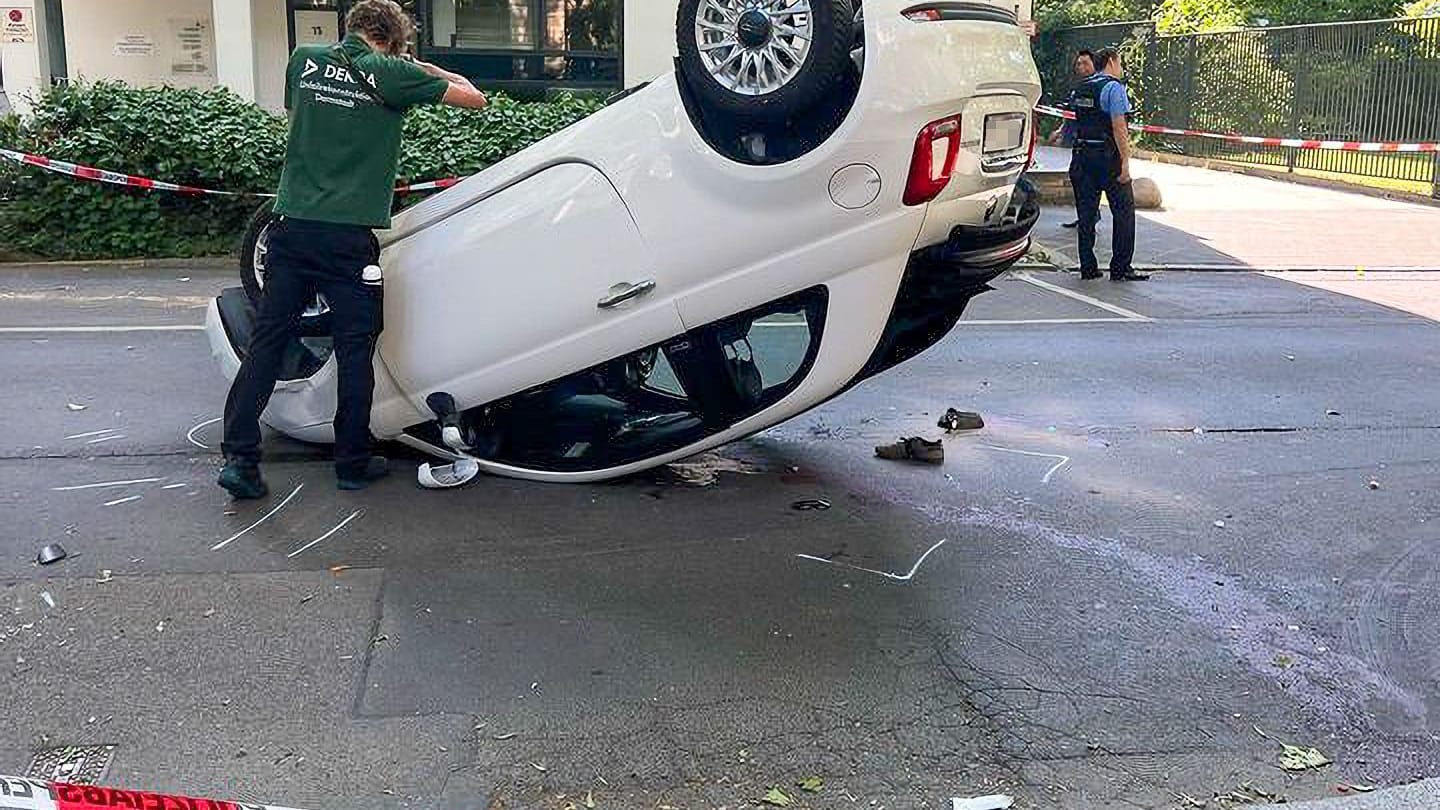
(525, 47)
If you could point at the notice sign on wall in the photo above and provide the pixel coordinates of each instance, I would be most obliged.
(16, 24)
(317, 27)
(194, 43)
(134, 45)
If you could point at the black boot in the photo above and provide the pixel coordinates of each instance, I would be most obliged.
(243, 481)
(1129, 275)
(354, 480)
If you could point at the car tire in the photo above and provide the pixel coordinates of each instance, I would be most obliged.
(768, 72)
(252, 266)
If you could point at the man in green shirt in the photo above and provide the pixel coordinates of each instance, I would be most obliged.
(347, 103)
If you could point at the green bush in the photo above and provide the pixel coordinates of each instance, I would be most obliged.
(206, 138)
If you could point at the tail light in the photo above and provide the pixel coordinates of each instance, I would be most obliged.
(936, 148)
(923, 15)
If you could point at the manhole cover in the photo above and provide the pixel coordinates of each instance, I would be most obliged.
(76, 764)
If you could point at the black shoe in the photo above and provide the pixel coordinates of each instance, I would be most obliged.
(1090, 275)
(1071, 225)
(1129, 275)
(375, 469)
(243, 481)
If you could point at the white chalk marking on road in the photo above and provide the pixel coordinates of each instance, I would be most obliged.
(106, 484)
(1063, 459)
(268, 515)
(297, 552)
(80, 330)
(1048, 321)
(1094, 302)
(191, 435)
(117, 502)
(91, 433)
(174, 486)
(106, 438)
(896, 577)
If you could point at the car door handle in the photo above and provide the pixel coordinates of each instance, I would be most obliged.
(621, 293)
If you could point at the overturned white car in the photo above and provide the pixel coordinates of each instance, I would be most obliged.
(811, 197)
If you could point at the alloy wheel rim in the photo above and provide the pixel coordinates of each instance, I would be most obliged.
(754, 47)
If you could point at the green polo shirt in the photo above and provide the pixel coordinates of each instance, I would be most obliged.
(340, 163)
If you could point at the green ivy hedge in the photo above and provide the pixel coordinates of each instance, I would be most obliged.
(207, 138)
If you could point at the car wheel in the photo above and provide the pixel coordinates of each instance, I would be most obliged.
(763, 59)
(254, 257)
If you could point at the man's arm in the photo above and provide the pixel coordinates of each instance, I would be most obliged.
(1121, 126)
(462, 92)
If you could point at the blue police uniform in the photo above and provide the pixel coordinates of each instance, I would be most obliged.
(1095, 170)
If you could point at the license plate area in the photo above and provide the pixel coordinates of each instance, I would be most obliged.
(1004, 132)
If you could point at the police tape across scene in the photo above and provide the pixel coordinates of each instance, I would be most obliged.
(18, 793)
(1256, 140)
(132, 181)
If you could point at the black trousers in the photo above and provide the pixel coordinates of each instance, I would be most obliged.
(1095, 170)
(305, 258)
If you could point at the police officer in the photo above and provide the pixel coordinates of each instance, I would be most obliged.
(1101, 165)
(346, 105)
(1065, 135)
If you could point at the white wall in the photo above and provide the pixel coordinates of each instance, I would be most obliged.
(272, 52)
(649, 39)
(25, 65)
(93, 26)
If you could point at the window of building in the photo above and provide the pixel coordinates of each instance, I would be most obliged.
(500, 43)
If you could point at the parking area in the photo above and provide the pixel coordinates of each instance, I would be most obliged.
(1202, 509)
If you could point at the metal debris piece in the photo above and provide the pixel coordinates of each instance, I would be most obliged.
(811, 505)
(537, 766)
(998, 801)
(1298, 758)
(49, 600)
(1344, 786)
(1373, 484)
(1219, 524)
(954, 420)
(75, 408)
(509, 735)
(52, 553)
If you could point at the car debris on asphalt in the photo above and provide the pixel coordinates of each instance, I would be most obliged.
(51, 554)
(998, 801)
(913, 449)
(811, 505)
(955, 421)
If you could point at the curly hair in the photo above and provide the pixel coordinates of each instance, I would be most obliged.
(382, 22)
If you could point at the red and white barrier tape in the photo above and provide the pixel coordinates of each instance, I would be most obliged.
(1255, 140)
(132, 181)
(33, 794)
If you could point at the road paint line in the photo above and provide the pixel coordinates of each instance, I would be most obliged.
(268, 515)
(1063, 459)
(896, 577)
(191, 435)
(1094, 302)
(297, 552)
(117, 502)
(1027, 322)
(106, 438)
(174, 486)
(105, 484)
(91, 433)
(80, 330)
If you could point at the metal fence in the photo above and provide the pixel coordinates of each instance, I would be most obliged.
(1369, 81)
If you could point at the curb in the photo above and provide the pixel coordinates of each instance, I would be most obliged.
(1422, 795)
(1068, 264)
(199, 263)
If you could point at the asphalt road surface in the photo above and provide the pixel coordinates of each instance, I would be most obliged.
(1165, 543)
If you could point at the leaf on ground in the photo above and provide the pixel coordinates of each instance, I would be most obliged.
(1297, 758)
(777, 798)
(811, 784)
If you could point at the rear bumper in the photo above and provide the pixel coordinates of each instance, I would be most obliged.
(941, 280)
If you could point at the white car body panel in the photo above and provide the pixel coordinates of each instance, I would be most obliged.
(492, 286)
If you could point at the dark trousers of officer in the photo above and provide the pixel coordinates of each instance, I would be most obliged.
(305, 258)
(1095, 170)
